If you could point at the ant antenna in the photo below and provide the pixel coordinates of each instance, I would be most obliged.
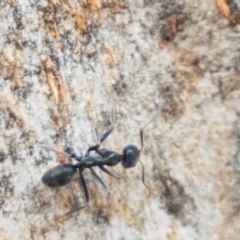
(159, 109)
(113, 117)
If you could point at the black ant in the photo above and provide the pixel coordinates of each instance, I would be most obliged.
(62, 174)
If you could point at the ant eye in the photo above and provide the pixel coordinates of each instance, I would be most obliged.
(131, 155)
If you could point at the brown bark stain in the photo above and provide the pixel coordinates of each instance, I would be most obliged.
(57, 89)
(59, 93)
(57, 3)
(172, 232)
(11, 108)
(10, 65)
(66, 203)
(80, 20)
(96, 6)
(110, 55)
(61, 158)
(170, 31)
(188, 74)
(226, 194)
(223, 7)
(59, 120)
(230, 10)
(53, 29)
(189, 71)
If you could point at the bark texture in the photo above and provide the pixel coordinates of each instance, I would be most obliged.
(65, 64)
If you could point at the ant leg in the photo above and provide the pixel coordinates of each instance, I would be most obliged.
(104, 136)
(143, 174)
(141, 137)
(56, 151)
(72, 155)
(109, 173)
(85, 189)
(143, 179)
(100, 181)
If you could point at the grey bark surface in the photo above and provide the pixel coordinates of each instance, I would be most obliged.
(65, 64)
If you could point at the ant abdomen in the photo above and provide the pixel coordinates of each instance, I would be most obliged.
(59, 176)
(130, 156)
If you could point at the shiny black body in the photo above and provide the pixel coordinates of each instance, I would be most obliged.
(63, 174)
(59, 175)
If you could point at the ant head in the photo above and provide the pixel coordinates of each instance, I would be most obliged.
(131, 153)
(130, 156)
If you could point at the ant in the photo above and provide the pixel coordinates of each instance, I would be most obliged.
(63, 174)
